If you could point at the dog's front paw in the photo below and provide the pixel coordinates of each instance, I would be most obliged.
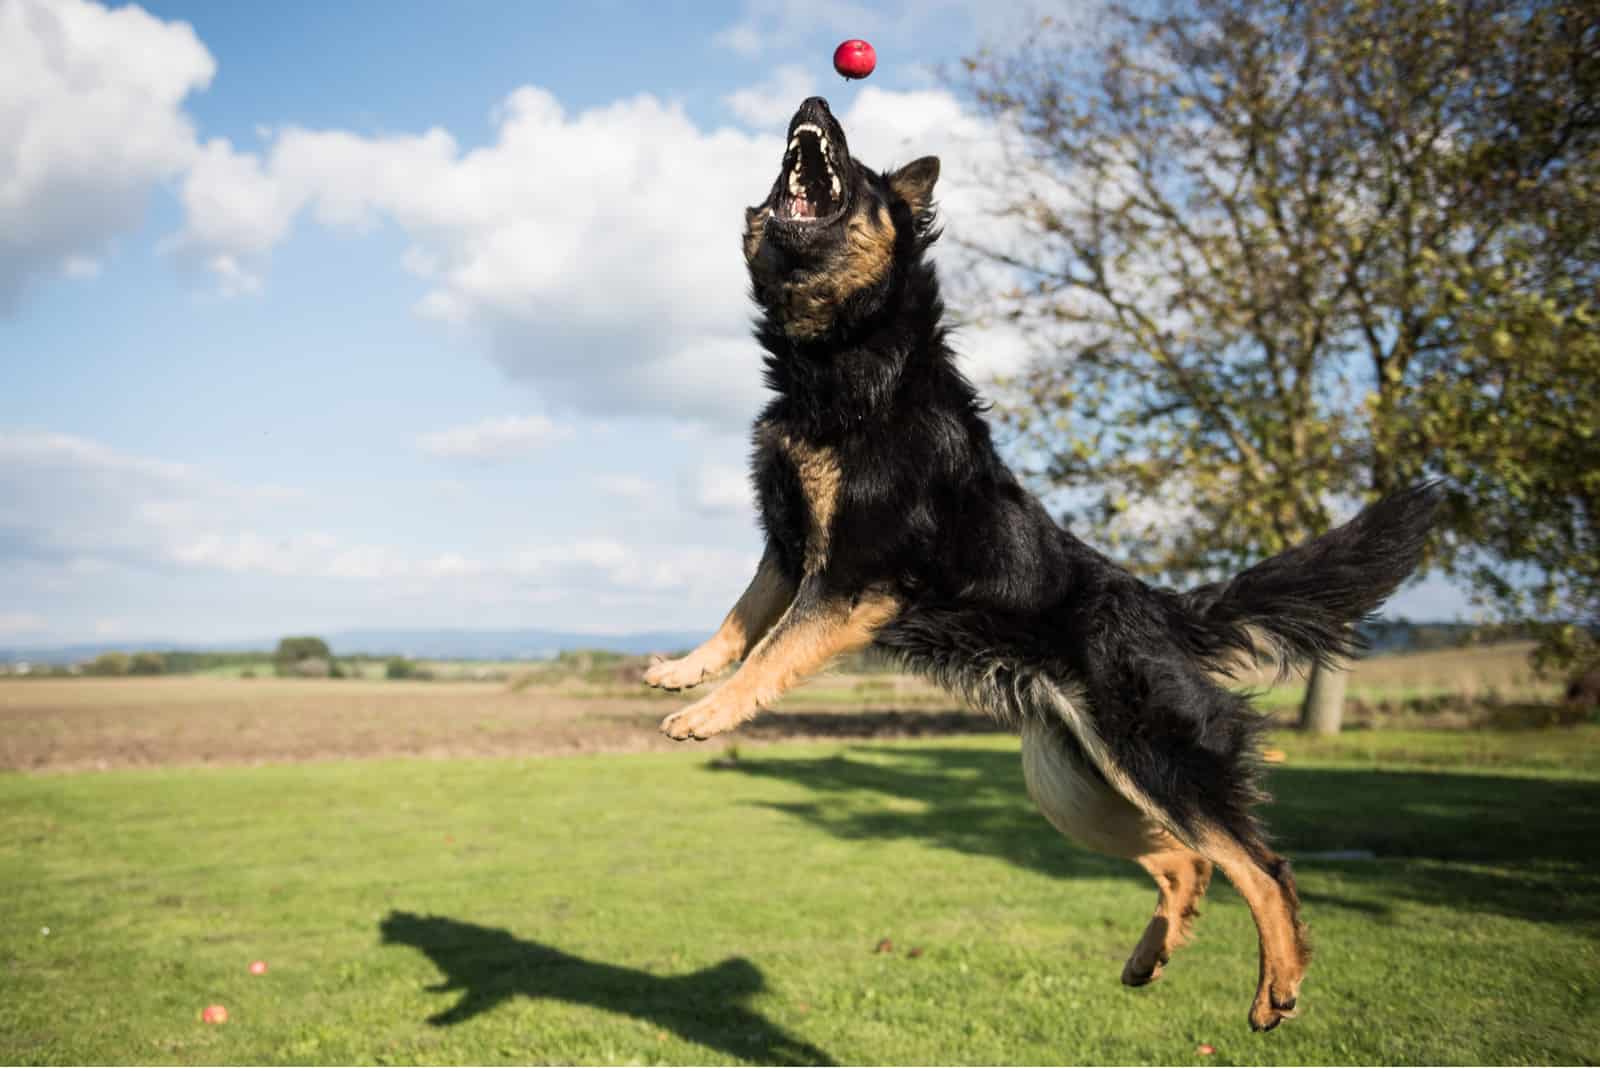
(684, 673)
(705, 718)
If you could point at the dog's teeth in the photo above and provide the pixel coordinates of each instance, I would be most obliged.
(808, 127)
(836, 186)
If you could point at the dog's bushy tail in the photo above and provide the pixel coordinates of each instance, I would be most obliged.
(1304, 600)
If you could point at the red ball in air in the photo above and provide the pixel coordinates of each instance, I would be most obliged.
(855, 59)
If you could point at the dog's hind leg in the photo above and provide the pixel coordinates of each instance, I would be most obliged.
(1112, 813)
(1266, 882)
(1181, 876)
(1080, 804)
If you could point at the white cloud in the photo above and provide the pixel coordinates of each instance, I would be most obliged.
(419, 263)
(80, 522)
(494, 439)
(234, 215)
(743, 37)
(624, 566)
(91, 121)
(65, 499)
(710, 490)
(249, 552)
(773, 102)
(598, 564)
(595, 253)
(580, 247)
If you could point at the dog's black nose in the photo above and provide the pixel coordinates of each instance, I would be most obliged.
(816, 102)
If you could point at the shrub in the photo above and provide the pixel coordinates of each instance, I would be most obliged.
(108, 664)
(294, 651)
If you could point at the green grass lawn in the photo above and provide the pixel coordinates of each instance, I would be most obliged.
(651, 908)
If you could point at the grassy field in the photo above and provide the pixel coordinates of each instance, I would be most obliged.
(657, 908)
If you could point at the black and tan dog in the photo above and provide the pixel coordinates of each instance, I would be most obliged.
(891, 521)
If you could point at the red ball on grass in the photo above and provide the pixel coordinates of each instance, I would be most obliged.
(855, 58)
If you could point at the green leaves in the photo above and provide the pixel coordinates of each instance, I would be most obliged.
(1291, 255)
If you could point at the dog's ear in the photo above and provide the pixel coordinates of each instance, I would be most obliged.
(914, 182)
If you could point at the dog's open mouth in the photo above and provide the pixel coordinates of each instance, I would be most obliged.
(810, 188)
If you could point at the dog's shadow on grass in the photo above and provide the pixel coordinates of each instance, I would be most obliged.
(490, 966)
(1517, 846)
(971, 801)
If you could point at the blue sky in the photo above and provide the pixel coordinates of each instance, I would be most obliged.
(330, 315)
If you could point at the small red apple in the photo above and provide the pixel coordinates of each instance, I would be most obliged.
(855, 58)
(1205, 1049)
(214, 1014)
(258, 967)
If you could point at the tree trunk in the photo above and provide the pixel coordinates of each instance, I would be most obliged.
(1324, 704)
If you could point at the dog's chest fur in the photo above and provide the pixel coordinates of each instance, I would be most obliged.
(798, 485)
